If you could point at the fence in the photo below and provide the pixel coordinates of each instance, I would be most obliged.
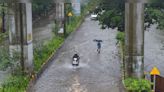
(159, 84)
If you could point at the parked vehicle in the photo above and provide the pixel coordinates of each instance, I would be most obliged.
(93, 16)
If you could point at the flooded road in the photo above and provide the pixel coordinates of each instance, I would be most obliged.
(154, 49)
(96, 72)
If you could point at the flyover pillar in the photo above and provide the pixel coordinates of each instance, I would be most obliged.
(60, 16)
(13, 33)
(20, 30)
(134, 35)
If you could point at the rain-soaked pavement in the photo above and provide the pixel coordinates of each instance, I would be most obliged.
(154, 49)
(96, 72)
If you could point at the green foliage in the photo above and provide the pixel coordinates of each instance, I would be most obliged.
(41, 8)
(3, 7)
(121, 43)
(137, 85)
(68, 8)
(15, 84)
(154, 13)
(92, 5)
(75, 22)
(55, 27)
(42, 53)
(120, 37)
(111, 14)
(3, 35)
(6, 60)
(157, 2)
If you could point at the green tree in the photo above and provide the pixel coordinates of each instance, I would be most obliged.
(154, 13)
(111, 14)
(41, 7)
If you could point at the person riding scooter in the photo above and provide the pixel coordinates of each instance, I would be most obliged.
(76, 59)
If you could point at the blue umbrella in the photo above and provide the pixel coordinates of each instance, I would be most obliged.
(97, 40)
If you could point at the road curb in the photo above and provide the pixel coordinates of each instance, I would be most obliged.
(121, 57)
(49, 60)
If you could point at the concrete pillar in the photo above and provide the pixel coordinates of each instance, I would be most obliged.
(29, 44)
(59, 11)
(12, 31)
(134, 35)
(14, 35)
(60, 16)
(23, 18)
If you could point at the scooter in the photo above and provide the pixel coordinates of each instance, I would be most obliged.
(75, 62)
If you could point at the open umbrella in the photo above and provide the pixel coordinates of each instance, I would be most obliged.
(97, 40)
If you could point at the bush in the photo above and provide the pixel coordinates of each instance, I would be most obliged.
(120, 37)
(44, 51)
(3, 36)
(15, 84)
(6, 61)
(4, 58)
(137, 85)
(55, 27)
(41, 8)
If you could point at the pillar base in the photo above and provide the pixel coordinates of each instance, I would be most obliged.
(134, 66)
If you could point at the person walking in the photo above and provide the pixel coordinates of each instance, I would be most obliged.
(98, 47)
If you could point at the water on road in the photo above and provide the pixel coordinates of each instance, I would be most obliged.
(154, 49)
(96, 72)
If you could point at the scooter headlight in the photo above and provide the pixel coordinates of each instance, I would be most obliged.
(75, 59)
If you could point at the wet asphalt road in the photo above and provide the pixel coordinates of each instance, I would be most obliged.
(96, 72)
(154, 49)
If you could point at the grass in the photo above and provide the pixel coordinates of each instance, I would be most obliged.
(76, 22)
(15, 84)
(43, 53)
